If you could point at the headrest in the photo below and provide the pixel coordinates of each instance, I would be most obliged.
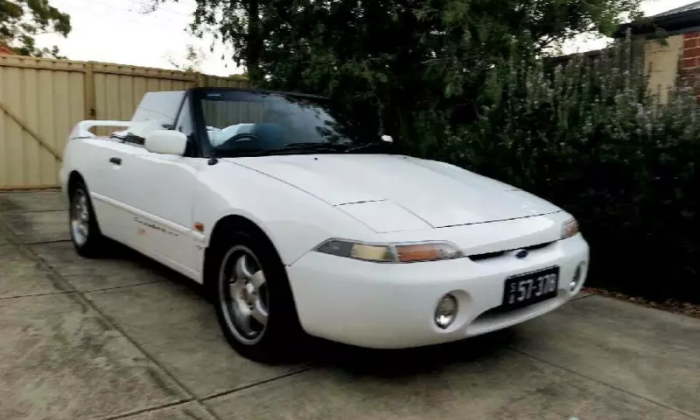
(218, 137)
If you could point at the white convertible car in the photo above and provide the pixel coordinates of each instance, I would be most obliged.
(297, 221)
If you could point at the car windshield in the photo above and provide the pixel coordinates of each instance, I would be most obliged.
(244, 123)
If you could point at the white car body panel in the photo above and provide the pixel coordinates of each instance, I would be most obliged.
(162, 188)
(152, 203)
(293, 219)
(391, 305)
(411, 183)
(131, 198)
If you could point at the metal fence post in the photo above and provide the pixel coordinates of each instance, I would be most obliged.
(90, 102)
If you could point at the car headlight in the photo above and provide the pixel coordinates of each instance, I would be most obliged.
(569, 229)
(397, 253)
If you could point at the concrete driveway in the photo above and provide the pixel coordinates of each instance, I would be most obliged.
(123, 338)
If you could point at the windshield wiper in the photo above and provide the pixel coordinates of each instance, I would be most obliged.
(299, 148)
(366, 146)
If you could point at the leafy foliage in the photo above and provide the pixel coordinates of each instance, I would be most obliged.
(397, 57)
(191, 62)
(22, 20)
(399, 62)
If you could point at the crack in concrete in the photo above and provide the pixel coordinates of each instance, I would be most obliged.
(573, 372)
(257, 384)
(107, 289)
(31, 211)
(65, 292)
(149, 410)
(53, 241)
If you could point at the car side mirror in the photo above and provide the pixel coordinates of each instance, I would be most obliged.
(387, 138)
(166, 142)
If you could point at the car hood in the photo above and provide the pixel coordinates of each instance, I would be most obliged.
(439, 194)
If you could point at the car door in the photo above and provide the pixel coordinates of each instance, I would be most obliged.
(159, 191)
(104, 177)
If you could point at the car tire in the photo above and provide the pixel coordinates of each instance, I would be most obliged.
(253, 299)
(85, 232)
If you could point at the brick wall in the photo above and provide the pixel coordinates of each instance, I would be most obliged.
(691, 50)
(5, 50)
(691, 61)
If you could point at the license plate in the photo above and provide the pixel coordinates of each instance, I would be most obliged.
(526, 289)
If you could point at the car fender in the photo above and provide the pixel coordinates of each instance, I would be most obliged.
(294, 220)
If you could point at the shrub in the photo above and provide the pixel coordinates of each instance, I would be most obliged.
(592, 138)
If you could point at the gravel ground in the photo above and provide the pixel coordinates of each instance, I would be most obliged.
(685, 308)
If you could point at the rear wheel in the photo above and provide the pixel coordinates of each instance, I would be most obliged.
(84, 230)
(253, 300)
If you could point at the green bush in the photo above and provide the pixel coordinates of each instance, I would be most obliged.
(593, 139)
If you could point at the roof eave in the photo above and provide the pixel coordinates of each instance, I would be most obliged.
(677, 23)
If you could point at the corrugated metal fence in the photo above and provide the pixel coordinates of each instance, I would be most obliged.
(41, 99)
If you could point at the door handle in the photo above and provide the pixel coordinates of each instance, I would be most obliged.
(115, 160)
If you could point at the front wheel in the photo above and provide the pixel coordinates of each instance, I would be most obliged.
(254, 303)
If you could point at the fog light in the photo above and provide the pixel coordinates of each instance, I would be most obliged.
(577, 277)
(446, 311)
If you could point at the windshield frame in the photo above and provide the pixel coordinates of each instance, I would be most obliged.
(200, 93)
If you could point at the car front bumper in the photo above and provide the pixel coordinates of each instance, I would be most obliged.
(393, 305)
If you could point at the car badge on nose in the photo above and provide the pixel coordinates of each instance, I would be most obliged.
(520, 254)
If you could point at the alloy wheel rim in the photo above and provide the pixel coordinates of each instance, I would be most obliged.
(80, 218)
(243, 295)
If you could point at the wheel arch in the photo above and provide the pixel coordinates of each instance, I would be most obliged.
(73, 179)
(287, 327)
(229, 223)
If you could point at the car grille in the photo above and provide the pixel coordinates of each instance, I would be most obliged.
(496, 254)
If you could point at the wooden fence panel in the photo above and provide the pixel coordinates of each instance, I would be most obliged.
(41, 99)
